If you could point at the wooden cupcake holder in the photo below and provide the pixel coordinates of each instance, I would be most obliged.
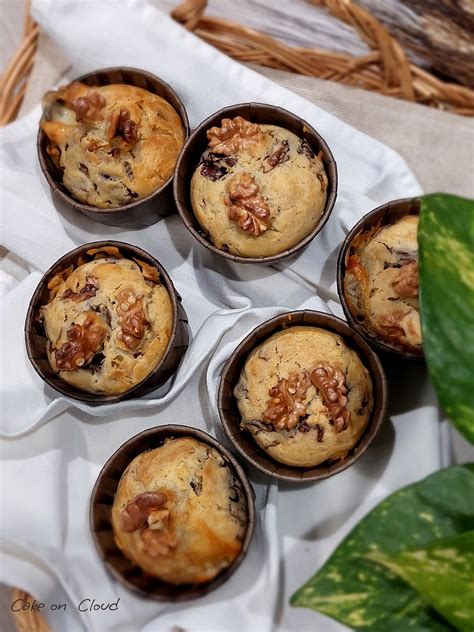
(260, 113)
(36, 340)
(230, 416)
(383, 215)
(139, 213)
(102, 498)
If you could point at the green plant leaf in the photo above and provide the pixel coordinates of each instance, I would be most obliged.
(369, 597)
(442, 573)
(446, 256)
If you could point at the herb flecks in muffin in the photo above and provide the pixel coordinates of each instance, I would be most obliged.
(233, 135)
(278, 155)
(83, 342)
(406, 282)
(246, 206)
(332, 386)
(131, 317)
(286, 407)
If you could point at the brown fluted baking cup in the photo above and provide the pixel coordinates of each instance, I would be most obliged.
(139, 213)
(243, 440)
(383, 215)
(102, 498)
(256, 113)
(36, 341)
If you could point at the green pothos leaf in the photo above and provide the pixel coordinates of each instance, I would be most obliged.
(370, 597)
(446, 257)
(442, 573)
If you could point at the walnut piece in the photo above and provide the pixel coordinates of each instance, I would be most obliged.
(136, 514)
(84, 341)
(246, 207)
(277, 156)
(87, 291)
(286, 407)
(331, 384)
(120, 124)
(233, 136)
(406, 282)
(88, 106)
(157, 542)
(150, 273)
(131, 317)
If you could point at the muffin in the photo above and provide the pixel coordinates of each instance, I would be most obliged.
(113, 144)
(107, 322)
(179, 512)
(381, 283)
(305, 396)
(258, 190)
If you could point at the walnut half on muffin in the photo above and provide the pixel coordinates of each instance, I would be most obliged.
(113, 144)
(305, 396)
(108, 322)
(258, 190)
(381, 283)
(180, 513)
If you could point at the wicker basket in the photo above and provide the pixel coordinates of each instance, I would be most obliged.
(385, 69)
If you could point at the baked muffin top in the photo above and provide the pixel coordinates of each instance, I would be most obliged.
(305, 396)
(179, 512)
(258, 189)
(381, 283)
(108, 323)
(114, 144)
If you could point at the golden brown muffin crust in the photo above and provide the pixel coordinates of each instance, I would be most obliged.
(305, 396)
(108, 325)
(381, 283)
(259, 189)
(206, 510)
(114, 144)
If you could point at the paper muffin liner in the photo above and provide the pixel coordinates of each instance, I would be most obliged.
(36, 340)
(139, 213)
(383, 215)
(256, 113)
(243, 440)
(123, 569)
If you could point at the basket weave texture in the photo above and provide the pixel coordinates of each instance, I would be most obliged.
(385, 69)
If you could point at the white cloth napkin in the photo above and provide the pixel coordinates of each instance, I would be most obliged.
(53, 448)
